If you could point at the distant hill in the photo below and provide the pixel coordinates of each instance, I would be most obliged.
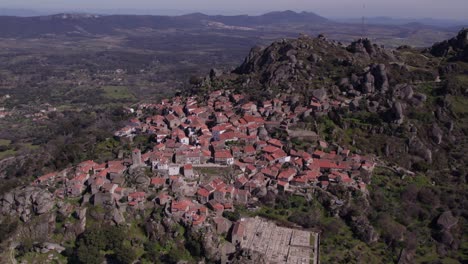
(65, 24)
(402, 21)
(202, 30)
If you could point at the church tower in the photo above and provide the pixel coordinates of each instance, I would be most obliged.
(136, 158)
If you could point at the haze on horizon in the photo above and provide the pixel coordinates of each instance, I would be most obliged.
(447, 9)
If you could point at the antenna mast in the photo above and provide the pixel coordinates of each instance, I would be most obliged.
(363, 25)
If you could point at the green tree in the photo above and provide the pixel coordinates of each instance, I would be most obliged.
(152, 253)
(125, 254)
(89, 254)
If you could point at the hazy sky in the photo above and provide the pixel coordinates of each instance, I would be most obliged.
(453, 9)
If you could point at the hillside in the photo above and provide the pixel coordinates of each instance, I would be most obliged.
(405, 87)
(361, 144)
(406, 106)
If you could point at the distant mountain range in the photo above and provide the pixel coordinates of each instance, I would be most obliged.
(64, 24)
(378, 20)
(259, 29)
(402, 21)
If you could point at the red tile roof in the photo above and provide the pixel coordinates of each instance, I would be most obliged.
(203, 192)
(223, 154)
(136, 195)
(158, 181)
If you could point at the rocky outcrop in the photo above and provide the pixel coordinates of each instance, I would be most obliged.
(446, 221)
(102, 199)
(403, 91)
(397, 111)
(64, 209)
(374, 80)
(215, 73)
(417, 147)
(154, 229)
(38, 229)
(80, 226)
(26, 202)
(249, 257)
(216, 249)
(47, 247)
(320, 94)
(436, 134)
(254, 58)
(455, 48)
(117, 216)
(381, 80)
(210, 246)
(365, 48)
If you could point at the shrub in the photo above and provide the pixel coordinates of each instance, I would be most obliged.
(124, 254)
(304, 219)
(232, 216)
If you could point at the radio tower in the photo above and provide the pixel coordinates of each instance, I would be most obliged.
(363, 25)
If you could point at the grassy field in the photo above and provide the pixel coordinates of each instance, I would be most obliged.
(5, 142)
(7, 152)
(463, 78)
(117, 93)
(459, 104)
(11, 150)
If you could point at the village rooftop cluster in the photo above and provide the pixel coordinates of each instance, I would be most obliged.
(222, 130)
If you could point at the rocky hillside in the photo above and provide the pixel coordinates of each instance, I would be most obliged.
(454, 49)
(407, 95)
(408, 106)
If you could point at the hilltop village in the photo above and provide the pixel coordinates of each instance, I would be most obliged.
(269, 169)
(222, 131)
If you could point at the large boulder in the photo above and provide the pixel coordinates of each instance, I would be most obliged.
(397, 110)
(215, 73)
(47, 246)
(320, 94)
(43, 202)
(364, 229)
(117, 216)
(210, 246)
(368, 85)
(446, 220)
(102, 199)
(417, 147)
(381, 79)
(445, 237)
(436, 134)
(25, 201)
(403, 91)
(362, 46)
